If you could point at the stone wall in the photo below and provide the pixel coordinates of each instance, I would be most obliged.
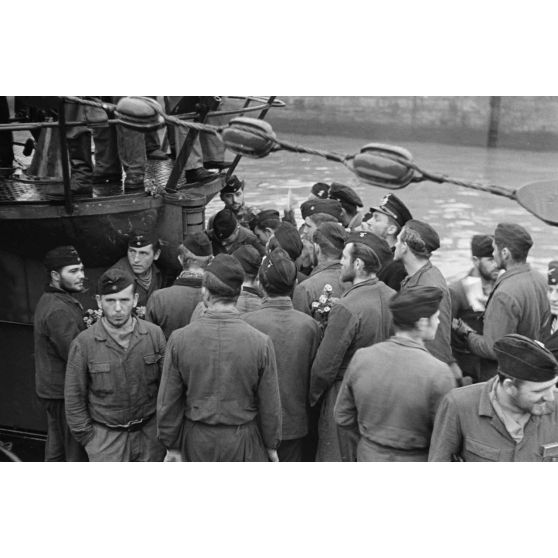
(525, 122)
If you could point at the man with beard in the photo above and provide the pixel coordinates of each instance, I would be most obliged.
(512, 417)
(360, 319)
(350, 201)
(112, 378)
(172, 307)
(552, 339)
(232, 195)
(144, 249)
(386, 221)
(517, 304)
(58, 320)
(468, 301)
(414, 247)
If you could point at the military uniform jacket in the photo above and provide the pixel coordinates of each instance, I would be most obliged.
(172, 308)
(295, 339)
(392, 391)
(144, 294)
(360, 319)
(309, 290)
(518, 304)
(467, 428)
(429, 275)
(108, 384)
(219, 371)
(57, 321)
(249, 300)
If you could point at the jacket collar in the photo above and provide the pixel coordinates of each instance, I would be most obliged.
(101, 333)
(189, 281)
(251, 290)
(524, 268)
(367, 283)
(325, 265)
(406, 342)
(277, 302)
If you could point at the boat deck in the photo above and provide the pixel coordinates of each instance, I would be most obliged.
(27, 189)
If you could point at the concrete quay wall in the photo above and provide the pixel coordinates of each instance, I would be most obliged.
(524, 122)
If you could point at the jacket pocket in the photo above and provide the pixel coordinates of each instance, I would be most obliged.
(152, 372)
(101, 380)
(477, 451)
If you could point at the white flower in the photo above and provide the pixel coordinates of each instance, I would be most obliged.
(328, 288)
(322, 299)
(315, 304)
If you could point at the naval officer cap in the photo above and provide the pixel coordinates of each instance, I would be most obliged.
(227, 269)
(427, 234)
(344, 194)
(329, 207)
(512, 235)
(553, 272)
(524, 359)
(377, 244)
(481, 246)
(393, 207)
(413, 303)
(61, 256)
(113, 281)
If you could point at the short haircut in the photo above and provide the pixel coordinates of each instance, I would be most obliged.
(518, 253)
(367, 255)
(515, 381)
(187, 256)
(219, 290)
(415, 243)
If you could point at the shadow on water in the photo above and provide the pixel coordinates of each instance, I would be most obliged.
(457, 213)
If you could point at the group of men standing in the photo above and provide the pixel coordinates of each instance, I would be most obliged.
(234, 362)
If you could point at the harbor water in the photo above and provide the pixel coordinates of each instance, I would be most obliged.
(455, 212)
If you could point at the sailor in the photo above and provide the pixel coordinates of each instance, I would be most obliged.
(386, 221)
(552, 338)
(172, 307)
(391, 390)
(144, 249)
(265, 224)
(329, 240)
(359, 319)
(468, 300)
(219, 395)
(517, 304)
(295, 338)
(415, 244)
(512, 417)
(286, 236)
(227, 234)
(57, 321)
(112, 378)
(350, 201)
(251, 295)
(232, 195)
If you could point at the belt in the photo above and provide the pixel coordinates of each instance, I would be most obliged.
(132, 426)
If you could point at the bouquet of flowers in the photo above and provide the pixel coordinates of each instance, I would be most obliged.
(322, 307)
(92, 316)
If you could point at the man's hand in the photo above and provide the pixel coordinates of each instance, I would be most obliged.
(173, 456)
(272, 455)
(461, 328)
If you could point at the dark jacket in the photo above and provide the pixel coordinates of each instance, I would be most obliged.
(245, 237)
(108, 384)
(518, 304)
(393, 274)
(295, 339)
(58, 320)
(391, 392)
(360, 318)
(468, 428)
(219, 371)
(429, 275)
(171, 308)
(156, 280)
(309, 290)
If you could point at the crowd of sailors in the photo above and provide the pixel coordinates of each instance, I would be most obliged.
(337, 340)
